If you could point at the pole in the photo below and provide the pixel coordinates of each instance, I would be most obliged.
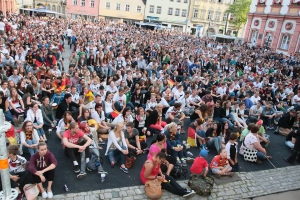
(7, 192)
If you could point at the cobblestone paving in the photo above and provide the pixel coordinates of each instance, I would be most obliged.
(252, 184)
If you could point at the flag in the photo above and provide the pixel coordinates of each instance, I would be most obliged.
(171, 82)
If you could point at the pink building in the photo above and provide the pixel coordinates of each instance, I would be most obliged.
(87, 9)
(274, 24)
(7, 6)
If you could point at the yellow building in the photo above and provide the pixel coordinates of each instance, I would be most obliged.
(122, 10)
(53, 5)
(208, 17)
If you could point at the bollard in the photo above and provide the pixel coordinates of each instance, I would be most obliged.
(7, 193)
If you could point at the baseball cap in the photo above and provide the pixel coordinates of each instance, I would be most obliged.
(203, 153)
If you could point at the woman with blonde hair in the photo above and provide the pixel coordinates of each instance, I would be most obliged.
(16, 105)
(116, 146)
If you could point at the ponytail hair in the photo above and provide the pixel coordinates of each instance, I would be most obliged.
(41, 143)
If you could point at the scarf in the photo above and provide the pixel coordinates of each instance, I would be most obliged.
(139, 118)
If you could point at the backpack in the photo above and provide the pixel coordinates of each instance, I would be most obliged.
(202, 186)
(94, 162)
(177, 171)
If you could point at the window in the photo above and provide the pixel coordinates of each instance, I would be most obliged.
(196, 12)
(213, 0)
(92, 3)
(285, 42)
(183, 14)
(185, 1)
(172, 0)
(53, 8)
(83, 3)
(170, 11)
(178, 1)
(177, 12)
(118, 6)
(158, 10)
(127, 7)
(254, 36)
(139, 9)
(217, 18)
(74, 2)
(151, 9)
(202, 15)
(63, 9)
(220, 1)
(225, 16)
(107, 5)
(210, 14)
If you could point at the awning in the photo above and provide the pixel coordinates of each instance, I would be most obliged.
(40, 10)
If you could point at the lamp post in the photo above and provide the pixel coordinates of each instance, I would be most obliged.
(8, 193)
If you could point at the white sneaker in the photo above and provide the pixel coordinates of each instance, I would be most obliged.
(50, 195)
(44, 195)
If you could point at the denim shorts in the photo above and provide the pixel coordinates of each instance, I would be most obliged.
(215, 170)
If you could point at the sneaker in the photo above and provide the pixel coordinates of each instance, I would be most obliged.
(100, 143)
(271, 128)
(187, 117)
(189, 159)
(88, 169)
(125, 170)
(183, 162)
(190, 154)
(50, 195)
(189, 193)
(81, 175)
(44, 195)
(76, 169)
(178, 162)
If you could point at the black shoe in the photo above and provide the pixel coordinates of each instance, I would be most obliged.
(189, 193)
(287, 160)
(76, 169)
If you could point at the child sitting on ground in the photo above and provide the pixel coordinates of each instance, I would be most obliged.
(200, 165)
(220, 166)
(231, 148)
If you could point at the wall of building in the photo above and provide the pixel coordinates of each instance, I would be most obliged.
(54, 5)
(122, 9)
(274, 24)
(83, 8)
(7, 6)
(160, 10)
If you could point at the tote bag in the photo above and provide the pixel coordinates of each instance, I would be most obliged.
(31, 191)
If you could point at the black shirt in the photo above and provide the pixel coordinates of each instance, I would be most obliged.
(63, 107)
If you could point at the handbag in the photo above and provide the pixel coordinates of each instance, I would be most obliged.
(153, 189)
(249, 155)
(130, 159)
(31, 191)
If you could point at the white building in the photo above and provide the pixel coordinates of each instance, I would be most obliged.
(170, 13)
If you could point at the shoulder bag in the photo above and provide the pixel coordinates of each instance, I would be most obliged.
(153, 189)
(31, 191)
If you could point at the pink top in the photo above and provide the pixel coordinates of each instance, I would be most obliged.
(154, 150)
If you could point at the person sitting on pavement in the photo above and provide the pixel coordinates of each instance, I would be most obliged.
(68, 105)
(74, 141)
(63, 124)
(175, 112)
(151, 170)
(286, 122)
(251, 142)
(246, 131)
(290, 139)
(213, 136)
(220, 165)
(42, 166)
(268, 115)
(141, 122)
(174, 144)
(48, 114)
(200, 165)
(155, 118)
(124, 117)
(99, 116)
(117, 147)
(296, 151)
(93, 148)
(135, 145)
(263, 137)
(196, 134)
(232, 151)
(29, 138)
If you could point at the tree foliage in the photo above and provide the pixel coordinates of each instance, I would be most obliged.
(239, 10)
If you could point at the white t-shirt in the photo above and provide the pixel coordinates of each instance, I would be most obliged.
(255, 110)
(249, 140)
(16, 103)
(69, 32)
(118, 98)
(108, 107)
(2, 26)
(294, 100)
(255, 99)
(174, 112)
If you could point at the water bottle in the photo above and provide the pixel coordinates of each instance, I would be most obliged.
(49, 131)
(66, 188)
(102, 177)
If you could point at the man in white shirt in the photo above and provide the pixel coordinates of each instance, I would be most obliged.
(296, 99)
(75, 95)
(119, 101)
(255, 98)
(8, 60)
(55, 71)
(96, 100)
(195, 101)
(69, 34)
(4, 89)
(222, 90)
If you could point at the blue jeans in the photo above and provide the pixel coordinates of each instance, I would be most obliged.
(202, 134)
(216, 141)
(222, 120)
(290, 144)
(130, 105)
(40, 131)
(8, 116)
(30, 150)
(260, 156)
(176, 153)
(116, 155)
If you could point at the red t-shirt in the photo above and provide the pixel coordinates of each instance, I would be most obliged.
(73, 138)
(198, 165)
(217, 161)
(154, 172)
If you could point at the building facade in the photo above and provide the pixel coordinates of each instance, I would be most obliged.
(122, 10)
(209, 17)
(7, 7)
(170, 13)
(274, 24)
(53, 5)
(84, 9)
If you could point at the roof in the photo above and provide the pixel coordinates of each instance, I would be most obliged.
(40, 10)
(224, 36)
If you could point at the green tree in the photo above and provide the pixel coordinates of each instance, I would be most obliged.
(239, 10)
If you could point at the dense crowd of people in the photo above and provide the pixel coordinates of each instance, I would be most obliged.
(124, 84)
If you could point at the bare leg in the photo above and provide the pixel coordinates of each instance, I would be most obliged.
(170, 167)
(49, 186)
